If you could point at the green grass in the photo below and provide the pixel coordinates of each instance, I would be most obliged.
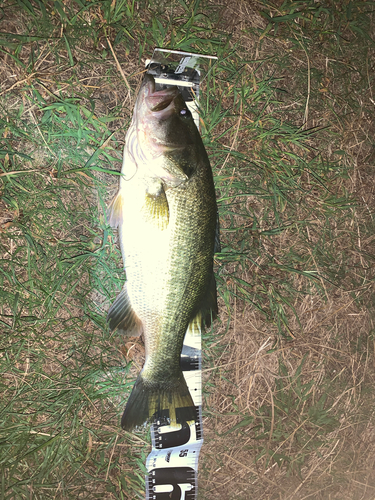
(286, 120)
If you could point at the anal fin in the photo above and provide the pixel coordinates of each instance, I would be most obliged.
(122, 318)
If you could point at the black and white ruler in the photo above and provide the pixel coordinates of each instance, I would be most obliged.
(172, 465)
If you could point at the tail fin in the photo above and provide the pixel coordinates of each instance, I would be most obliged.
(148, 400)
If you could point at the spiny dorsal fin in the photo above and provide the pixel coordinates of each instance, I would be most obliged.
(122, 317)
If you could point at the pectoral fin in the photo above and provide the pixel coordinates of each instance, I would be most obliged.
(155, 208)
(122, 317)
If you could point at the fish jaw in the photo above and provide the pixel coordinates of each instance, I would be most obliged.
(155, 101)
(151, 110)
(157, 116)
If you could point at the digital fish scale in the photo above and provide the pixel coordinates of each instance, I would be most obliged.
(172, 464)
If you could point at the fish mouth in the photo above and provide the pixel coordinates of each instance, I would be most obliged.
(154, 109)
(159, 102)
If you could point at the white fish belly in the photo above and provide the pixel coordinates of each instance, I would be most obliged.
(145, 250)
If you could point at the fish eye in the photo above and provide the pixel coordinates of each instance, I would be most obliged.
(185, 113)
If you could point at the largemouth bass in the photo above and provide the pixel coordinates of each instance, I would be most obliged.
(166, 214)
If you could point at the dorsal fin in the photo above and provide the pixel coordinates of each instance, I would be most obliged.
(207, 310)
(217, 246)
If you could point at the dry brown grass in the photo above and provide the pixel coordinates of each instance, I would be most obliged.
(342, 465)
(333, 334)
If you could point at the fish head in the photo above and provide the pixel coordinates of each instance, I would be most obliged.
(163, 121)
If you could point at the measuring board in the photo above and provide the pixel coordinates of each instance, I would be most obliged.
(172, 465)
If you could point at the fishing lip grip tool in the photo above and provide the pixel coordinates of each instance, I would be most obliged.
(172, 465)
